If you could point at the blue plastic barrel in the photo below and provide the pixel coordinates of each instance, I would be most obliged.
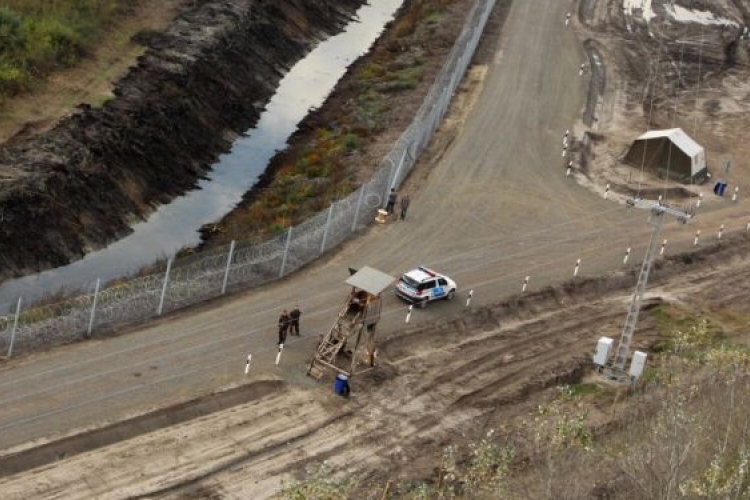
(341, 385)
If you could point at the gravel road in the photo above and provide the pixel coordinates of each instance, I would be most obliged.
(495, 208)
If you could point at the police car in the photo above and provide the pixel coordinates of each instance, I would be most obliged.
(422, 285)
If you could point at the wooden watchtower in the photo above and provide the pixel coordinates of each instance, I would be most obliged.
(352, 336)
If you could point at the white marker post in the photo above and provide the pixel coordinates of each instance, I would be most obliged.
(700, 199)
(567, 19)
(567, 172)
(663, 246)
(697, 237)
(736, 194)
(659, 201)
(627, 256)
(606, 191)
(247, 365)
(278, 356)
(468, 301)
(578, 265)
(565, 151)
(525, 284)
(747, 229)
(408, 315)
(721, 230)
(580, 71)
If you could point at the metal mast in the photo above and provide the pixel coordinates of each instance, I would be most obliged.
(657, 211)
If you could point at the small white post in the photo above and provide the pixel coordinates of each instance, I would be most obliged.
(700, 199)
(93, 308)
(565, 151)
(278, 356)
(286, 251)
(736, 194)
(325, 231)
(408, 314)
(747, 229)
(226, 271)
(247, 365)
(580, 71)
(164, 287)
(359, 205)
(663, 246)
(721, 230)
(697, 237)
(15, 328)
(525, 284)
(627, 256)
(468, 300)
(606, 191)
(567, 172)
(567, 19)
(659, 200)
(578, 265)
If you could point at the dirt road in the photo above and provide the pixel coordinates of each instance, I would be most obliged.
(496, 207)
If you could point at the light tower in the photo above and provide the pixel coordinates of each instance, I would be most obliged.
(658, 211)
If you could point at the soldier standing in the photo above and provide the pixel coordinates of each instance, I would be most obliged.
(405, 201)
(392, 198)
(283, 326)
(294, 320)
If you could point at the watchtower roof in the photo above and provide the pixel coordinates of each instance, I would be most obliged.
(370, 280)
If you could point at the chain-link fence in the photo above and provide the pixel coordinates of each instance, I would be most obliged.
(188, 281)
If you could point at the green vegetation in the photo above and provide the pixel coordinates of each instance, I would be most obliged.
(314, 175)
(683, 434)
(39, 36)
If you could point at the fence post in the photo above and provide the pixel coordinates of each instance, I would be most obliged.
(325, 231)
(226, 272)
(286, 251)
(359, 205)
(164, 287)
(93, 308)
(15, 327)
(397, 173)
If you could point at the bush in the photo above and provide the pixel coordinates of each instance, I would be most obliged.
(40, 36)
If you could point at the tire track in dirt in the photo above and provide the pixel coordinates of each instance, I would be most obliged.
(435, 382)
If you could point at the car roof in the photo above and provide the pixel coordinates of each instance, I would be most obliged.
(421, 274)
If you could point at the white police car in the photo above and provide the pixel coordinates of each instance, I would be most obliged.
(421, 285)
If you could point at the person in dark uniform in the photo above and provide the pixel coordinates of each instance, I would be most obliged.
(392, 198)
(283, 326)
(294, 320)
(405, 202)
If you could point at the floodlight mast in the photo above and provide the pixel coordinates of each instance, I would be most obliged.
(658, 210)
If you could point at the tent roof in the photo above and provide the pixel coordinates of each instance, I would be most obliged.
(678, 138)
(370, 280)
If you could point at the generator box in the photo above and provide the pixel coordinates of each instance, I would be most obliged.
(603, 351)
(637, 364)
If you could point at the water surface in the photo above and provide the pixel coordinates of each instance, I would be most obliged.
(175, 225)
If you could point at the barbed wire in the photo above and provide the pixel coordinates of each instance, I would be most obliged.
(555, 272)
(195, 279)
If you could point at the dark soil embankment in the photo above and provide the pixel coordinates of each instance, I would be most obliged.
(137, 426)
(207, 78)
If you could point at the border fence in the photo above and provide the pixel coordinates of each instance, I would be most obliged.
(243, 265)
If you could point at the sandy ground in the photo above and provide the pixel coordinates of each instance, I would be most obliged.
(492, 205)
(436, 384)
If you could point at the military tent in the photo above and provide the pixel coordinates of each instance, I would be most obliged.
(670, 153)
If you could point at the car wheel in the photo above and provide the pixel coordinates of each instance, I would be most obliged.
(422, 304)
(450, 295)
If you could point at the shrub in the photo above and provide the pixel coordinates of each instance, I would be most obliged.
(351, 141)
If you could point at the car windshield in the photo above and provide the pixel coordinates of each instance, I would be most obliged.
(409, 281)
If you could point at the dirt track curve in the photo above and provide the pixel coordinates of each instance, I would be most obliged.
(495, 208)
